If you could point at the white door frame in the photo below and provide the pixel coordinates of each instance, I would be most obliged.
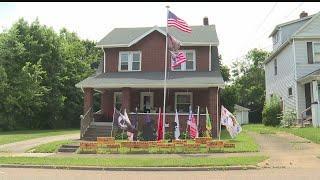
(142, 94)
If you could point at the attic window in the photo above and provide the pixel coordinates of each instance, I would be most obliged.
(276, 38)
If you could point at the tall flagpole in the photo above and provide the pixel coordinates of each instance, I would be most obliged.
(165, 74)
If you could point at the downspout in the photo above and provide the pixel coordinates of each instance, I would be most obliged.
(104, 60)
(210, 57)
(295, 76)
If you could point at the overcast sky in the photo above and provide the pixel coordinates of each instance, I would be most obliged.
(240, 26)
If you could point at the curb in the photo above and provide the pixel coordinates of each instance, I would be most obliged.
(215, 168)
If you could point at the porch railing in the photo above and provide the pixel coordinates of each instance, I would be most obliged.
(85, 122)
(304, 115)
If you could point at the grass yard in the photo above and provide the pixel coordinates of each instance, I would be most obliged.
(49, 147)
(310, 133)
(15, 136)
(135, 161)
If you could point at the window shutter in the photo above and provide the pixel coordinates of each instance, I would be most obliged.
(310, 52)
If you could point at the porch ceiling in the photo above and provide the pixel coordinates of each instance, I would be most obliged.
(153, 80)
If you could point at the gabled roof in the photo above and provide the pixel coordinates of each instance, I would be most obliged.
(288, 23)
(126, 37)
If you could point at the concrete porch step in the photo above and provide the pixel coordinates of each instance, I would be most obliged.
(69, 148)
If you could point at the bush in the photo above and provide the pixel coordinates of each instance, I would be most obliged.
(271, 113)
(121, 136)
(288, 118)
(167, 135)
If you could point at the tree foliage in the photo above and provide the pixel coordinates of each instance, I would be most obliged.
(38, 70)
(248, 83)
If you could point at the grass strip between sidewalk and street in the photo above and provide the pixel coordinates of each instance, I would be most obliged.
(15, 136)
(50, 147)
(135, 161)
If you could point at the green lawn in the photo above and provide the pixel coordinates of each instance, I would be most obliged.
(49, 147)
(15, 136)
(135, 161)
(310, 133)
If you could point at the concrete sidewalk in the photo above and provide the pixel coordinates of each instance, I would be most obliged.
(22, 146)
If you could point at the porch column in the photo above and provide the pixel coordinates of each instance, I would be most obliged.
(315, 107)
(213, 111)
(126, 98)
(106, 104)
(88, 99)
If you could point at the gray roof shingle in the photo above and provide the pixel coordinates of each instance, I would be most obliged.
(124, 36)
(153, 80)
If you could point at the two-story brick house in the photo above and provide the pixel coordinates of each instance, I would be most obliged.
(292, 70)
(131, 76)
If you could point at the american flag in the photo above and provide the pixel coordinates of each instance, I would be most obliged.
(177, 58)
(174, 21)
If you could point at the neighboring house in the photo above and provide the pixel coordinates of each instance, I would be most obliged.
(132, 77)
(242, 114)
(293, 69)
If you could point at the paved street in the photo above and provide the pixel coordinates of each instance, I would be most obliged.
(52, 174)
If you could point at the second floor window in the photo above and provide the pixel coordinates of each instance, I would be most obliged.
(190, 64)
(129, 61)
(316, 52)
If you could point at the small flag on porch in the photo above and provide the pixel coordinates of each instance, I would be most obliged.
(229, 120)
(177, 128)
(208, 123)
(160, 129)
(175, 21)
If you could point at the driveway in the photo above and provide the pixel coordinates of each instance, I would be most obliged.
(287, 150)
(22, 146)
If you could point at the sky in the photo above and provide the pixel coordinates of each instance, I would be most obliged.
(240, 26)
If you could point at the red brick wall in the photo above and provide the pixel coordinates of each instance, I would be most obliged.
(152, 49)
(88, 99)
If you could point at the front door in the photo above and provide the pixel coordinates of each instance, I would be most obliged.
(146, 101)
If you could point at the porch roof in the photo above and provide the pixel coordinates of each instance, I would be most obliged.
(315, 75)
(153, 80)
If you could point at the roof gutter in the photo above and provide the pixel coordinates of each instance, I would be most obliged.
(273, 54)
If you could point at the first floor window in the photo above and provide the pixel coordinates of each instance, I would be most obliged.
(117, 96)
(183, 100)
(290, 91)
(129, 61)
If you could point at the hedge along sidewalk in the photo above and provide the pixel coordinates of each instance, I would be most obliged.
(134, 161)
(16, 136)
(310, 133)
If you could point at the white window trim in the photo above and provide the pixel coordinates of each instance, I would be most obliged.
(114, 97)
(314, 60)
(184, 64)
(130, 60)
(182, 93)
(142, 94)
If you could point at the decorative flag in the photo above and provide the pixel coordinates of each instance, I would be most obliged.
(190, 116)
(177, 58)
(123, 120)
(229, 120)
(193, 127)
(198, 116)
(160, 131)
(208, 124)
(174, 21)
(177, 128)
(173, 44)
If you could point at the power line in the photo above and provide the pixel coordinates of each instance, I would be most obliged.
(266, 17)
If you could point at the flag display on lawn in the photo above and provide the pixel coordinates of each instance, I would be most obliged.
(193, 127)
(175, 21)
(208, 123)
(122, 120)
(229, 120)
(197, 123)
(177, 128)
(160, 129)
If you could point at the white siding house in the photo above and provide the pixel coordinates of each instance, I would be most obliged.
(292, 70)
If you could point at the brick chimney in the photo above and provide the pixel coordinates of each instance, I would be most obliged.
(303, 14)
(205, 21)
